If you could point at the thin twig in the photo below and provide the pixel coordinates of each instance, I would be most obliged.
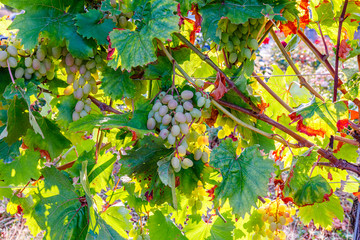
(336, 78)
(325, 45)
(103, 106)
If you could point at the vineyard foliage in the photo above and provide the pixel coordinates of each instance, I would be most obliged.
(146, 119)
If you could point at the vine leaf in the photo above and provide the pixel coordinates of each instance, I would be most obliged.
(54, 141)
(53, 19)
(12, 90)
(90, 26)
(22, 169)
(153, 19)
(322, 213)
(66, 106)
(318, 118)
(162, 228)
(292, 25)
(9, 152)
(249, 174)
(117, 84)
(220, 87)
(106, 6)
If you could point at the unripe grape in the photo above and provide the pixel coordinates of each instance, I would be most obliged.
(177, 169)
(12, 51)
(166, 99)
(179, 108)
(82, 69)
(88, 101)
(19, 72)
(90, 64)
(188, 106)
(3, 55)
(82, 81)
(184, 128)
(197, 154)
(27, 76)
(69, 60)
(172, 104)
(196, 113)
(163, 110)
(38, 75)
(157, 117)
(87, 75)
(78, 94)
(42, 69)
(36, 64)
(151, 123)
(83, 113)
(74, 68)
(94, 89)
(56, 52)
(205, 157)
(253, 44)
(246, 53)
(233, 57)
(187, 162)
(75, 116)
(28, 62)
(79, 106)
(166, 119)
(78, 61)
(224, 37)
(171, 139)
(199, 83)
(201, 101)
(198, 94)
(156, 106)
(186, 95)
(70, 78)
(12, 62)
(87, 108)
(175, 162)
(188, 117)
(40, 54)
(180, 117)
(272, 226)
(271, 219)
(181, 150)
(87, 89)
(175, 130)
(47, 64)
(207, 103)
(164, 133)
(122, 22)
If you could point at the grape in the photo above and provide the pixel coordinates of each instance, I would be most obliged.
(78, 93)
(175, 162)
(76, 84)
(179, 108)
(12, 62)
(12, 51)
(173, 121)
(196, 113)
(197, 154)
(188, 117)
(272, 226)
(184, 128)
(151, 123)
(207, 103)
(64, 51)
(166, 119)
(187, 162)
(68, 90)
(253, 44)
(27, 76)
(205, 157)
(90, 64)
(19, 72)
(56, 52)
(88, 101)
(233, 57)
(172, 104)
(82, 69)
(40, 54)
(271, 219)
(162, 126)
(81, 81)
(122, 22)
(177, 169)
(75, 116)
(166, 99)
(253, 21)
(156, 106)
(164, 133)
(79, 106)
(70, 78)
(229, 46)
(201, 101)
(42, 69)
(157, 117)
(231, 28)
(94, 89)
(175, 130)
(184, 143)
(235, 40)
(163, 110)
(181, 150)
(180, 117)
(87, 75)
(282, 220)
(38, 75)
(188, 106)
(28, 62)
(83, 113)
(3, 55)
(78, 61)
(186, 95)
(87, 108)
(171, 139)
(224, 37)
(74, 68)
(69, 60)
(87, 89)
(47, 64)
(36, 64)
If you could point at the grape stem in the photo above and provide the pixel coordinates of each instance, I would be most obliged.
(103, 106)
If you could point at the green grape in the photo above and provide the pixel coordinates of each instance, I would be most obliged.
(253, 21)
(246, 53)
(229, 46)
(12, 62)
(19, 72)
(3, 55)
(151, 123)
(231, 28)
(233, 57)
(253, 44)
(186, 95)
(245, 24)
(12, 51)
(224, 37)
(244, 30)
(223, 24)
(75, 116)
(40, 54)
(235, 40)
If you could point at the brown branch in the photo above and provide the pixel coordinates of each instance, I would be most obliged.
(103, 106)
(213, 65)
(336, 78)
(346, 140)
(272, 93)
(292, 65)
(339, 163)
(325, 45)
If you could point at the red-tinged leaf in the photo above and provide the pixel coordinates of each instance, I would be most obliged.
(263, 105)
(211, 121)
(330, 176)
(220, 87)
(211, 192)
(341, 124)
(278, 153)
(354, 114)
(181, 19)
(344, 49)
(291, 27)
(357, 194)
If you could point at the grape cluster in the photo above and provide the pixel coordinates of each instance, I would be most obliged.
(239, 39)
(81, 80)
(174, 117)
(275, 214)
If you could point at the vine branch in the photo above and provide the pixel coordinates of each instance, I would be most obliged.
(103, 106)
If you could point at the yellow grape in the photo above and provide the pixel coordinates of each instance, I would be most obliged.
(221, 134)
(202, 140)
(271, 219)
(279, 225)
(282, 220)
(273, 226)
(68, 90)
(282, 208)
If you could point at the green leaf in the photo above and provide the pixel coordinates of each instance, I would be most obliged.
(18, 120)
(55, 142)
(154, 19)
(106, 6)
(162, 228)
(117, 84)
(22, 169)
(12, 90)
(66, 106)
(322, 213)
(9, 153)
(52, 19)
(249, 174)
(89, 122)
(92, 25)
(100, 174)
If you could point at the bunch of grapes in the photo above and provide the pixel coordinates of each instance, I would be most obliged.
(239, 39)
(275, 214)
(198, 195)
(174, 117)
(81, 80)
